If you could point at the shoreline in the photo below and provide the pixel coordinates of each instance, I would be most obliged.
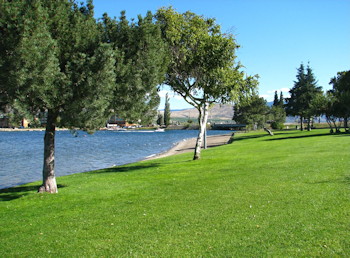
(188, 145)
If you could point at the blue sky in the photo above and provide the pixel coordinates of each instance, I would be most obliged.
(275, 36)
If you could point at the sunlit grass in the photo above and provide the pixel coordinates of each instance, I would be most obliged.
(285, 195)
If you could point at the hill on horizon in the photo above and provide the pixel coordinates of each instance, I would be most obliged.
(217, 111)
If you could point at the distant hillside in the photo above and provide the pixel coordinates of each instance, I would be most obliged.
(223, 112)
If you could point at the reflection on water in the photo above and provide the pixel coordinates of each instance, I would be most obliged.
(21, 152)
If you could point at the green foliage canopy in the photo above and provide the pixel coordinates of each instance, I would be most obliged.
(56, 58)
(252, 111)
(202, 67)
(302, 94)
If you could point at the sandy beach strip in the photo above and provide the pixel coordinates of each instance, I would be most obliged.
(188, 145)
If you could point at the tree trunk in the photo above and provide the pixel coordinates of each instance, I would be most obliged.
(301, 124)
(346, 124)
(203, 117)
(268, 131)
(309, 124)
(49, 181)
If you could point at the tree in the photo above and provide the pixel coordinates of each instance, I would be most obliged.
(55, 65)
(277, 113)
(167, 111)
(160, 120)
(326, 104)
(202, 68)
(252, 111)
(301, 95)
(142, 63)
(60, 66)
(277, 116)
(281, 100)
(341, 93)
(275, 100)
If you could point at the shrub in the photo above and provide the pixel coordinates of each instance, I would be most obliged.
(277, 125)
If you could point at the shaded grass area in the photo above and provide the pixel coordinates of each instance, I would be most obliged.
(258, 196)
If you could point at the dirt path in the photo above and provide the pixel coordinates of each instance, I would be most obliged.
(189, 145)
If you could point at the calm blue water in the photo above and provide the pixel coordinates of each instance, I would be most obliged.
(21, 152)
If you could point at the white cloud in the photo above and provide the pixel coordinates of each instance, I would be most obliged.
(265, 96)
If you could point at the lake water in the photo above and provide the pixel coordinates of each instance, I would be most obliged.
(21, 152)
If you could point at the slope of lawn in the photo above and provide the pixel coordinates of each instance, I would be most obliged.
(282, 195)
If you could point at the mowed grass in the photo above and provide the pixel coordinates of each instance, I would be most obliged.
(285, 195)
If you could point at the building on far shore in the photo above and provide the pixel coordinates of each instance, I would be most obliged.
(5, 122)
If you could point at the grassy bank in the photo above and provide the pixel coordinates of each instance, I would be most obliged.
(285, 195)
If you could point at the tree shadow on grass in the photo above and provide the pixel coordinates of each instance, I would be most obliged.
(248, 137)
(345, 180)
(297, 137)
(124, 169)
(264, 135)
(13, 193)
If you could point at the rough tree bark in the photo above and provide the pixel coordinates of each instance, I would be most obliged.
(203, 117)
(49, 181)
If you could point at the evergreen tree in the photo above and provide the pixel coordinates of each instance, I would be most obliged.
(167, 111)
(281, 100)
(275, 100)
(141, 64)
(56, 64)
(52, 59)
(160, 120)
(302, 94)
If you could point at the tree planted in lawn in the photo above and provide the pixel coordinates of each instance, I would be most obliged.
(341, 92)
(202, 68)
(252, 111)
(302, 94)
(56, 64)
(54, 60)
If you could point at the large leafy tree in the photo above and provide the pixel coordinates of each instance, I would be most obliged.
(302, 94)
(326, 104)
(202, 68)
(341, 93)
(141, 66)
(56, 59)
(53, 61)
(252, 111)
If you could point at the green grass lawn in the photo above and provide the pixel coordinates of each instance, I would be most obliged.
(282, 195)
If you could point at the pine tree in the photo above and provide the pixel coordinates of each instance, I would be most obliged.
(281, 100)
(302, 94)
(167, 111)
(52, 59)
(142, 61)
(275, 100)
(160, 120)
